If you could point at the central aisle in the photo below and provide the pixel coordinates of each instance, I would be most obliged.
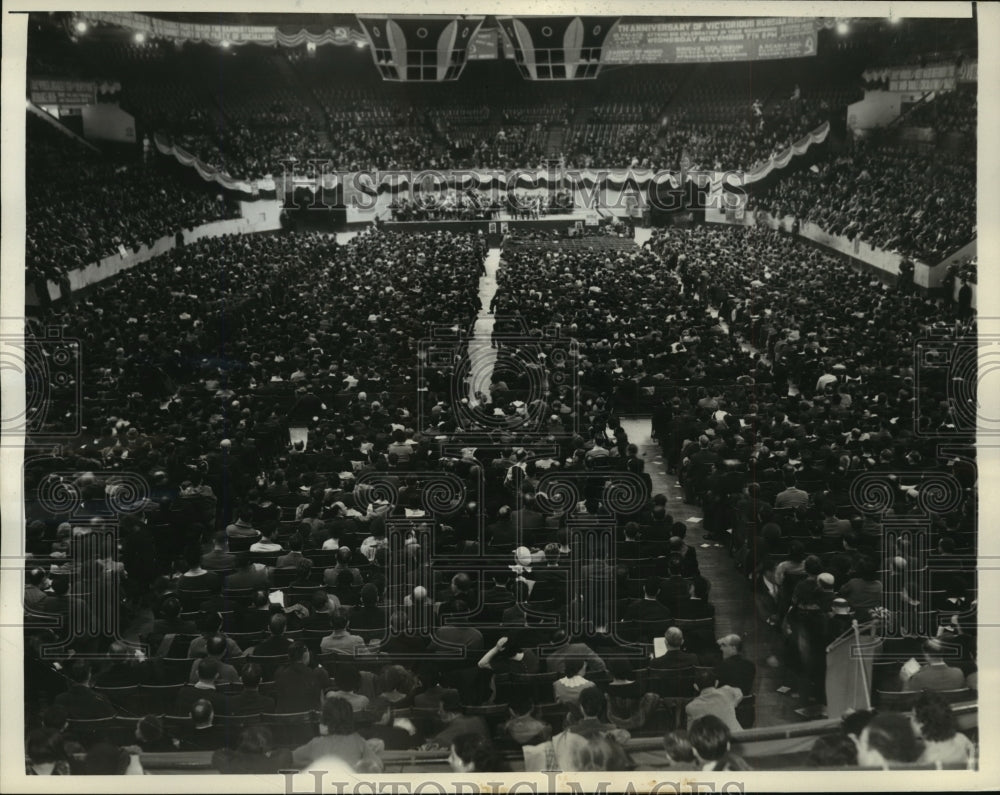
(482, 355)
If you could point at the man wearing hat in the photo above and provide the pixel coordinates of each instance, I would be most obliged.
(840, 620)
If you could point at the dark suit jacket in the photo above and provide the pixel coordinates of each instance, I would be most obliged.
(290, 560)
(271, 646)
(298, 687)
(737, 671)
(217, 559)
(248, 703)
(82, 703)
(646, 610)
(673, 660)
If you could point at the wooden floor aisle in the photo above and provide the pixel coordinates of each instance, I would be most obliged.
(731, 592)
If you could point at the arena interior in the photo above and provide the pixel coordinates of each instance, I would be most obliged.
(534, 393)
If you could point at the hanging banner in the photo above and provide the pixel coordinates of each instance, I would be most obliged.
(711, 41)
(73, 93)
(232, 34)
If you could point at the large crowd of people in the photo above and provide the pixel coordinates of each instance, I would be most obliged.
(299, 529)
(83, 206)
(922, 205)
(376, 575)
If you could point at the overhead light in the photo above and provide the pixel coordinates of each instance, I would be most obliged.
(225, 44)
(310, 46)
(140, 37)
(842, 27)
(81, 27)
(895, 20)
(362, 43)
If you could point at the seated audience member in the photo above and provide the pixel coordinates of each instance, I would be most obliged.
(46, 754)
(255, 754)
(249, 701)
(675, 656)
(107, 759)
(679, 752)
(735, 669)
(833, 750)
(601, 752)
(709, 737)
(567, 690)
(591, 708)
(297, 686)
(79, 700)
(456, 722)
(713, 699)
(219, 557)
(935, 674)
(430, 691)
(888, 738)
(215, 649)
(474, 753)
(203, 734)
(203, 689)
(346, 683)
(337, 738)
(340, 640)
(247, 574)
(523, 727)
(934, 721)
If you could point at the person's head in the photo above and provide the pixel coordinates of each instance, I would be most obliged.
(933, 650)
(251, 676)
(338, 716)
(202, 713)
(522, 704)
(106, 759)
(149, 729)
(450, 705)
(888, 737)
(704, 678)
(338, 620)
(369, 594)
(709, 737)
(208, 670)
(55, 716)
(933, 718)
(651, 587)
(730, 645)
(215, 646)
(45, 746)
(574, 666)
(853, 723)
(813, 566)
(678, 747)
(674, 638)
(394, 677)
(220, 540)
(833, 750)
(347, 678)
(256, 740)
(591, 702)
(298, 652)
(472, 753)
(601, 752)
(700, 587)
(79, 672)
